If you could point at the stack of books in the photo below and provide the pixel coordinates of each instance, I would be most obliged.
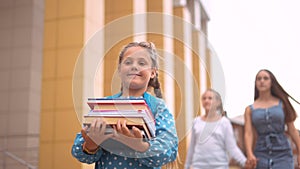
(136, 112)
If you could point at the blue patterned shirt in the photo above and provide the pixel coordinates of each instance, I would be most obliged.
(114, 155)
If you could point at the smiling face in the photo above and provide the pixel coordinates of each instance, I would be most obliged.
(135, 70)
(263, 81)
(209, 102)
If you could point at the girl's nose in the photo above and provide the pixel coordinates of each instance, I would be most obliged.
(134, 66)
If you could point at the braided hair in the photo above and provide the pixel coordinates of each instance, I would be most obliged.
(150, 47)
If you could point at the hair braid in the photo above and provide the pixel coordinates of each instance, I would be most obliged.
(156, 86)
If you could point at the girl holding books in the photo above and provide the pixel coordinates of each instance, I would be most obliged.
(124, 148)
(212, 137)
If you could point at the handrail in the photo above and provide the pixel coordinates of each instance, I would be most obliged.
(18, 159)
(14, 156)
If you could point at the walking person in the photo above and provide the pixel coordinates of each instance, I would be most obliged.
(212, 137)
(126, 149)
(266, 121)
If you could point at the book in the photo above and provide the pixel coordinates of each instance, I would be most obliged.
(130, 122)
(104, 104)
(136, 112)
(143, 114)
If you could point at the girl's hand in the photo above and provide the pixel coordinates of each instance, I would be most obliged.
(122, 128)
(251, 162)
(132, 138)
(248, 165)
(96, 133)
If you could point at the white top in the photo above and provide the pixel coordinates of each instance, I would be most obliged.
(211, 144)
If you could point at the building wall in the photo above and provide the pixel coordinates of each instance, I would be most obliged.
(56, 53)
(21, 32)
(63, 40)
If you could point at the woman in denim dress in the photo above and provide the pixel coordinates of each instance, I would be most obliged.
(265, 122)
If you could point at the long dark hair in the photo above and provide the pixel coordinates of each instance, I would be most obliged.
(150, 47)
(279, 92)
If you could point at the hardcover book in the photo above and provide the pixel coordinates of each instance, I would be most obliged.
(136, 112)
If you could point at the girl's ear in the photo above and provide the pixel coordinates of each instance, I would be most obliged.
(153, 73)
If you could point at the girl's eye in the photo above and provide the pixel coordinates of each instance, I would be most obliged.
(127, 62)
(142, 63)
(207, 98)
(264, 78)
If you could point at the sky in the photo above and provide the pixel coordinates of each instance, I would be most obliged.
(249, 35)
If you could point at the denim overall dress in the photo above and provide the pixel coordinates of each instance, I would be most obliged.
(272, 149)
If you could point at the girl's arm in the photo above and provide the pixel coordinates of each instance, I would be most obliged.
(231, 146)
(163, 148)
(81, 155)
(190, 153)
(248, 137)
(86, 145)
(294, 134)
